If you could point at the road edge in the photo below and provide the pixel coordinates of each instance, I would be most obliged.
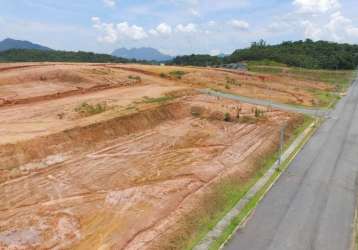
(247, 204)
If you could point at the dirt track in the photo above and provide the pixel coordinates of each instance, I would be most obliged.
(124, 178)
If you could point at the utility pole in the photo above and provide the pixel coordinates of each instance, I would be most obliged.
(282, 142)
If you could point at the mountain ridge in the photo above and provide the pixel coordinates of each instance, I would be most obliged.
(9, 43)
(143, 53)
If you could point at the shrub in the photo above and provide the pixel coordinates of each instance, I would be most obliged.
(177, 74)
(86, 109)
(258, 113)
(163, 75)
(135, 78)
(158, 99)
(227, 117)
(197, 111)
(231, 81)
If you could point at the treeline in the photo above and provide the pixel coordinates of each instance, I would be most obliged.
(28, 55)
(197, 60)
(306, 54)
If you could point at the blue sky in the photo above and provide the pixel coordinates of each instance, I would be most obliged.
(176, 26)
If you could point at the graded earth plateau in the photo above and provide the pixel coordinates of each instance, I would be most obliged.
(124, 156)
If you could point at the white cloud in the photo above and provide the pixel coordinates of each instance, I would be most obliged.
(337, 28)
(311, 30)
(163, 29)
(109, 3)
(112, 33)
(316, 6)
(189, 28)
(239, 24)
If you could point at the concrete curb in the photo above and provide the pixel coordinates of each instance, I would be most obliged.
(220, 227)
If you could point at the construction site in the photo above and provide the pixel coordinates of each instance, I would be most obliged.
(119, 156)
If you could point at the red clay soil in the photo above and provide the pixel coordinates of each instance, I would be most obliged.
(120, 182)
(30, 83)
(277, 88)
(122, 178)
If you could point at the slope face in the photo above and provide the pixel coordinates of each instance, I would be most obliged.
(9, 43)
(148, 54)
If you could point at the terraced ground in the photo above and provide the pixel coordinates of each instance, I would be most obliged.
(118, 156)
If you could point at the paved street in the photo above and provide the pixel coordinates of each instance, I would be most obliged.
(312, 205)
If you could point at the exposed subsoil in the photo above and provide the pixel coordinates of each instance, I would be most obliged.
(122, 178)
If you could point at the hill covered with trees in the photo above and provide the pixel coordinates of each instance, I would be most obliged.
(198, 60)
(306, 54)
(34, 55)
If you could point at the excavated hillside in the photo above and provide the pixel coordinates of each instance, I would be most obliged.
(121, 167)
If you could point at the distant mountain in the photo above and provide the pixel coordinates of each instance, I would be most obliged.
(9, 43)
(147, 54)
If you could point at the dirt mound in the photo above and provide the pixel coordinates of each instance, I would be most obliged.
(34, 83)
(80, 138)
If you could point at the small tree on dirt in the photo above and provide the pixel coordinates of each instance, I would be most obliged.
(258, 113)
(227, 117)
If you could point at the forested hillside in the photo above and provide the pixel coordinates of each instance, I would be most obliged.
(25, 55)
(306, 54)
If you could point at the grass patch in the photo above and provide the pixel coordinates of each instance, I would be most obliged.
(86, 109)
(158, 99)
(135, 78)
(266, 62)
(326, 99)
(177, 74)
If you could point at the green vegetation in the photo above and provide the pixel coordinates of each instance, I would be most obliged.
(227, 117)
(27, 55)
(232, 81)
(266, 62)
(135, 78)
(197, 60)
(177, 74)
(86, 109)
(259, 113)
(158, 99)
(305, 54)
(163, 75)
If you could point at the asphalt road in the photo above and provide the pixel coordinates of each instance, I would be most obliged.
(312, 205)
(292, 108)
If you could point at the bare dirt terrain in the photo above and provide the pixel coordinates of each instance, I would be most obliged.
(121, 175)
(263, 86)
